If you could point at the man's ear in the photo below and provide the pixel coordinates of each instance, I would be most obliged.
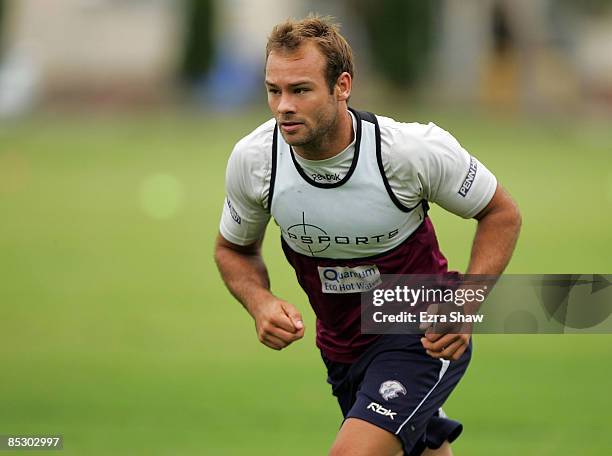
(344, 84)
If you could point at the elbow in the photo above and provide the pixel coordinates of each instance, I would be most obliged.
(515, 218)
(509, 218)
(217, 255)
(224, 248)
(504, 216)
(219, 251)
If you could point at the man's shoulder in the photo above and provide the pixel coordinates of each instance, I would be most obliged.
(258, 141)
(253, 152)
(410, 140)
(400, 129)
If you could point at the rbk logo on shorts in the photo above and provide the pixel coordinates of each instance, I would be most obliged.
(342, 279)
(381, 410)
(391, 389)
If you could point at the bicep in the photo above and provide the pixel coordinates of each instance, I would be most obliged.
(222, 244)
(500, 202)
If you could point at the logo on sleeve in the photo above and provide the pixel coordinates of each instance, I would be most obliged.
(469, 179)
(391, 389)
(233, 212)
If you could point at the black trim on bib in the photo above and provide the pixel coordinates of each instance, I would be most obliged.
(300, 170)
(369, 117)
(273, 171)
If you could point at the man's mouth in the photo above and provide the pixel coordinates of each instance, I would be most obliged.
(289, 126)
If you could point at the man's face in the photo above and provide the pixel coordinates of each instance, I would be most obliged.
(299, 96)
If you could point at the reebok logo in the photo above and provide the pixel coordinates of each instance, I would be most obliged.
(469, 179)
(381, 410)
(335, 177)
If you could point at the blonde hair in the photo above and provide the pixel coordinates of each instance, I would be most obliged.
(291, 34)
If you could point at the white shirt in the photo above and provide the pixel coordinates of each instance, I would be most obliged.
(420, 162)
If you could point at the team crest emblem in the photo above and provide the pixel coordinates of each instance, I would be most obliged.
(391, 389)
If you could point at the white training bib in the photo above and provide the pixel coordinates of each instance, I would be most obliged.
(354, 217)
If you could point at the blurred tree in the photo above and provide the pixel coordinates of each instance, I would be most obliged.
(592, 7)
(401, 35)
(2, 8)
(199, 39)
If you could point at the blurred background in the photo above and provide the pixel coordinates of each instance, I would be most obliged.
(116, 122)
(522, 55)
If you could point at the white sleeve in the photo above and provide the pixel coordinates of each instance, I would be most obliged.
(247, 182)
(445, 172)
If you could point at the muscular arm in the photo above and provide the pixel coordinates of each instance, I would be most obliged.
(243, 271)
(277, 322)
(498, 228)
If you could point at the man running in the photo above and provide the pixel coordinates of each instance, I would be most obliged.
(350, 192)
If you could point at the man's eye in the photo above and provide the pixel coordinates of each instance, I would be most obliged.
(301, 90)
(273, 91)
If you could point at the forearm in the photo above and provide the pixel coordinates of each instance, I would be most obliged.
(277, 322)
(244, 274)
(496, 235)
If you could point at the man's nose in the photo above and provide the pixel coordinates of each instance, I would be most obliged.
(286, 104)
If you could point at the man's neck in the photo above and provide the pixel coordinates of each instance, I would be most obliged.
(338, 138)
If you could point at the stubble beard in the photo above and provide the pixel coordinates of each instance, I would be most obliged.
(317, 137)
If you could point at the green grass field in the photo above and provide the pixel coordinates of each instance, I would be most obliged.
(116, 331)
